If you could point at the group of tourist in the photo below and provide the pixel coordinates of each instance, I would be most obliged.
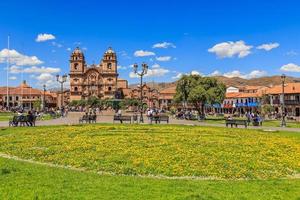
(24, 118)
(255, 118)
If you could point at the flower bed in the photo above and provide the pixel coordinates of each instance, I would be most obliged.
(161, 150)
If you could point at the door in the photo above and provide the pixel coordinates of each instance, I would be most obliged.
(297, 112)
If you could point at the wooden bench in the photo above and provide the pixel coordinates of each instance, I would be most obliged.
(236, 122)
(93, 118)
(84, 118)
(122, 119)
(160, 118)
(22, 121)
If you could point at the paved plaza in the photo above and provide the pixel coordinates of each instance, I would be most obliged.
(107, 117)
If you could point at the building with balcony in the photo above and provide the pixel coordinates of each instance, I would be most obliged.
(243, 99)
(291, 98)
(25, 96)
(166, 97)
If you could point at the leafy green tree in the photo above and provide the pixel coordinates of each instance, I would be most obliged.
(267, 109)
(183, 88)
(74, 103)
(198, 91)
(93, 102)
(82, 102)
(37, 104)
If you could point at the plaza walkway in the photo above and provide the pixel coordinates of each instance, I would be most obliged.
(107, 117)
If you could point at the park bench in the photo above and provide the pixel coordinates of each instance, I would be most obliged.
(236, 122)
(122, 119)
(160, 118)
(22, 121)
(93, 118)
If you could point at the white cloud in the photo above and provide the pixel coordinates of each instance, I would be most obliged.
(252, 74)
(142, 53)
(69, 49)
(291, 67)
(156, 66)
(215, 73)
(164, 45)
(49, 80)
(256, 74)
(12, 78)
(231, 49)
(155, 71)
(177, 76)
(121, 67)
(44, 77)
(268, 47)
(44, 37)
(33, 70)
(17, 58)
(163, 58)
(194, 72)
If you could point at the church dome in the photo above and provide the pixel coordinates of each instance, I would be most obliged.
(110, 50)
(77, 51)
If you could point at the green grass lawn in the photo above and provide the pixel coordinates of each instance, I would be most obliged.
(5, 116)
(239, 163)
(19, 180)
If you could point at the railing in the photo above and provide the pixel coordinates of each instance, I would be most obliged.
(287, 102)
(292, 102)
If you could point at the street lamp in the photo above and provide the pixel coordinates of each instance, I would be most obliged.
(283, 122)
(44, 98)
(141, 74)
(61, 79)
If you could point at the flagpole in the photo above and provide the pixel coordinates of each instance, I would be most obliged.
(7, 71)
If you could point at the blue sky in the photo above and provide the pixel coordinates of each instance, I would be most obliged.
(232, 38)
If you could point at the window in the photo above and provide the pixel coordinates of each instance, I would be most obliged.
(17, 98)
(109, 88)
(108, 65)
(76, 66)
(75, 89)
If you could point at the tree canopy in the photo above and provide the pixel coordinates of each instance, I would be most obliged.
(198, 91)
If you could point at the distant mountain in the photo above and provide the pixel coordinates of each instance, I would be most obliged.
(262, 81)
(235, 81)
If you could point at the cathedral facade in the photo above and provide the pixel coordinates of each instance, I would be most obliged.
(99, 80)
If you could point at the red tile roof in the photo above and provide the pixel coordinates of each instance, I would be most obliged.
(289, 88)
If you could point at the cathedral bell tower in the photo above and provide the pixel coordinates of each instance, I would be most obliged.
(77, 69)
(109, 73)
(109, 61)
(77, 61)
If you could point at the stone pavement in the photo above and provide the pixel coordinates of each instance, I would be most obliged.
(107, 117)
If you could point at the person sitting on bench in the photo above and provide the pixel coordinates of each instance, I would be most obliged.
(119, 114)
(30, 118)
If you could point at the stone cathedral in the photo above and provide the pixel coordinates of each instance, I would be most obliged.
(99, 80)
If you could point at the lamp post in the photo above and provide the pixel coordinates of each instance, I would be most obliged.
(44, 98)
(61, 79)
(283, 122)
(141, 74)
